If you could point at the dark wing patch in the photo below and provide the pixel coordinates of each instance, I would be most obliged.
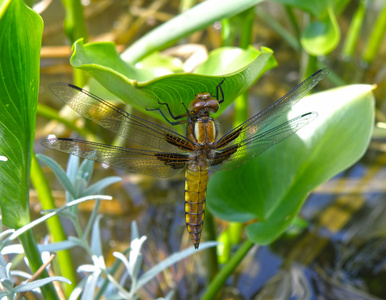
(223, 155)
(178, 142)
(174, 160)
(230, 137)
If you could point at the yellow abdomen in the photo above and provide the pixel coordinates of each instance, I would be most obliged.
(195, 196)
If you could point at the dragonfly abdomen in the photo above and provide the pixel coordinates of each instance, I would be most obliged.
(196, 180)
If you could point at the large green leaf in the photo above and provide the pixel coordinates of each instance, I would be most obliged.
(20, 39)
(142, 90)
(272, 187)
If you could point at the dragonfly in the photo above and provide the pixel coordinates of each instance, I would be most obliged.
(161, 152)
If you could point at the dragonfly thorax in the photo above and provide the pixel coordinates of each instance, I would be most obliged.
(202, 132)
(203, 104)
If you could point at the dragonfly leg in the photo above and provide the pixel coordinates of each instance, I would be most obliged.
(218, 88)
(170, 113)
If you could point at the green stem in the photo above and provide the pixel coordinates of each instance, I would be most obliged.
(54, 226)
(235, 230)
(80, 77)
(229, 267)
(211, 253)
(281, 30)
(74, 23)
(226, 33)
(34, 259)
(376, 37)
(304, 56)
(78, 229)
(311, 67)
(351, 41)
(75, 27)
(241, 105)
(241, 109)
(247, 27)
(293, 22)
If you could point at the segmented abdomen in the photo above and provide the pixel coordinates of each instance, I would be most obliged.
(195, 196)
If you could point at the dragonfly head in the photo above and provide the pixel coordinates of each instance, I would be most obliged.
(203, 104)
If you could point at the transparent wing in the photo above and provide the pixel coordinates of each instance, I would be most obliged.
(238, 154)
(128, 126)
(158, 164)
(257, 123)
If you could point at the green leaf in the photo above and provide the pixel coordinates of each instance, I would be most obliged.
(230, 59)
(175, 89)
(59, 173)
(321, 37)
(96, 242)
(159, 64)
(273, 186)
(29, 286)
(20, 39)
(98, 187)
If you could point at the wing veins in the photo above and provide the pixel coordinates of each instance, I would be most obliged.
(261, 120)
(252, 147)
(134, 160)
(115, 119)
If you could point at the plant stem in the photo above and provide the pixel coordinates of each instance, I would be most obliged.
(241, 109)
(247, 27)
(211, 253)
(312, 66)
(281, 30)
(34, 259)
(222, 276)
(350, 43)
(293, 21)
(40, 183)
(75, 25)
(376, 37)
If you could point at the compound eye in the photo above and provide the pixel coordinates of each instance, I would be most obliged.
(199, 104)
(213, 103)
(196, 105)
